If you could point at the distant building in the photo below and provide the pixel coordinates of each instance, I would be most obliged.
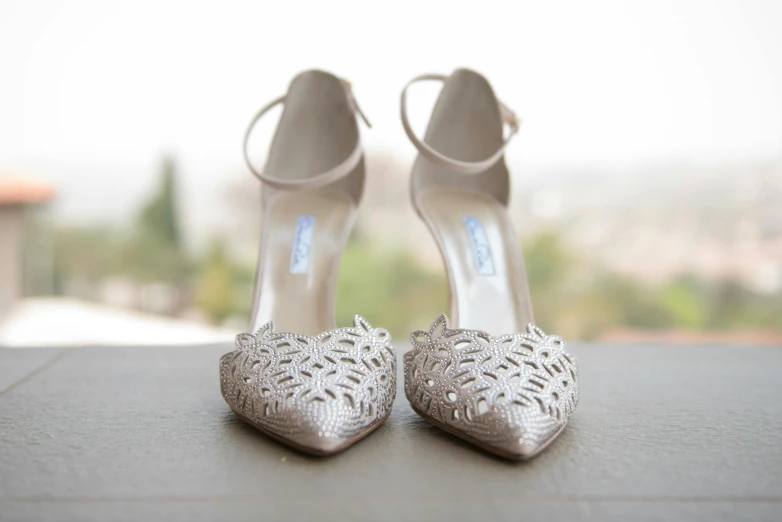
(25, 252)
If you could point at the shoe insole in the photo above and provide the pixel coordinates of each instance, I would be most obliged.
(482, 257)
(467, 212)
(304, 235)
(305, 231)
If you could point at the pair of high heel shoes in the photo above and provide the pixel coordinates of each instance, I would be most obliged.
(319, 388)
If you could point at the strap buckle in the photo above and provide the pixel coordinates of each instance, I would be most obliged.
(510, 118)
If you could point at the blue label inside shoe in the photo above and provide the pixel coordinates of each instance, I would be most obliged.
(484, 263)
(302, 243)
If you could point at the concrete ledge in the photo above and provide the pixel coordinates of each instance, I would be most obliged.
(661, 433)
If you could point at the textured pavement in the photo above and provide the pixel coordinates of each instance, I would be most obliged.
(661, 433)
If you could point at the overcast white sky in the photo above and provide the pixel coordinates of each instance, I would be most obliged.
(92, 92)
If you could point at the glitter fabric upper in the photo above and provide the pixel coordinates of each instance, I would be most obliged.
(511, 393)
(335, 385)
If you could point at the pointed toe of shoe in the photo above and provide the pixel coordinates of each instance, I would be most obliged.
(321, 430)
(511, 432)
(319, 445)
(511, 395)
(518, 449)
(312, 393)
(523, 439)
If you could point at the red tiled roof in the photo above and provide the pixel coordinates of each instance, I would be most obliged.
(14, 191)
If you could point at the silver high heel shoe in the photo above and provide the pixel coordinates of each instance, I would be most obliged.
(322, 388)
(510, 393)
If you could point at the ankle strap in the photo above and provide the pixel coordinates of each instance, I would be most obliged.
(318, 180)
(463, 167)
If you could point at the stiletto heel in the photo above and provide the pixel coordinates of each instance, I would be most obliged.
(321, 388)
(509, 393)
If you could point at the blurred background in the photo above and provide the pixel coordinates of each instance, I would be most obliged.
(647, 175)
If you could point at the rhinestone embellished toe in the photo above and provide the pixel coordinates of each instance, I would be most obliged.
(309, 389)
(511, 394)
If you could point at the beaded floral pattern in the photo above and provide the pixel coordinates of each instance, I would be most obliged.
(334, 385)
(518, 389)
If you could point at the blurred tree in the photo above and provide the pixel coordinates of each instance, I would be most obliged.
(215, 284)
(547, 260)
(632, 303)
(735, 307)
(389, 288)
(550, 270)
(243, 292)
(154, 252)
(83, 258)
(158, 218)
(683, 301)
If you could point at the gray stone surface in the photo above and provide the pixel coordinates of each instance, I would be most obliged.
(661, 433)
(15, 365)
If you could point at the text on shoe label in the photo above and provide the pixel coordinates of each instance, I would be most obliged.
(484, 262)
(302, 243)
